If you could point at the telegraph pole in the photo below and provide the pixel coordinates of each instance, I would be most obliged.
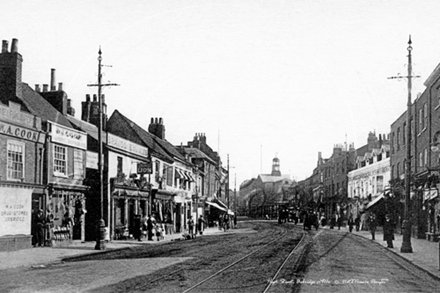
(406, 225)
(100, 244)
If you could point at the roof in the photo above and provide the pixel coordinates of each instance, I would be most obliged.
(196, 153)
(38, 106)
(123, 127)
(271, 178)
(90, 129)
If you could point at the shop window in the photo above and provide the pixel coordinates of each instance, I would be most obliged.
(59, 160)
(426, 157)
(15, 160)
(379, 184)
(120, 166)
(156, 170)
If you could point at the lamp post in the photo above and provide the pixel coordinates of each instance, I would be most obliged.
(406, 225)
(100, 243)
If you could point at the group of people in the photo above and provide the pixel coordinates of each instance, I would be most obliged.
(388, 227)
(200, 226)
(148, 227)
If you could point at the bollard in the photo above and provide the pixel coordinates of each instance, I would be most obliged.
(100, 233)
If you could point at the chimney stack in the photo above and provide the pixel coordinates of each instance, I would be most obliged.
(60, 86)
(14, 46)
(37, 88)
(70, 109)
(45, 86)
(95, 99)
(5, 46)
(52, 80)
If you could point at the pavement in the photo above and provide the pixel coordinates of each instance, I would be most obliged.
(425, 253)
(42, 256)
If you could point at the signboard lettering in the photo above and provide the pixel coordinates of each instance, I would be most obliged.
(68, 136)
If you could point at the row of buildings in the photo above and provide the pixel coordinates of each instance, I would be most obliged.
(49, 162)
(355, 182)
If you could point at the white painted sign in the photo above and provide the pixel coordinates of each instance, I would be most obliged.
(126, 145)
(15, 210)
(68, 136)
(92, 160)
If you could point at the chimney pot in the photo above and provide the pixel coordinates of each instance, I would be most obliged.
(87, 98)
(60, 86)
(152, 120)
(45, 86)
(95, 99)
(160, 121)
(14, 46)
(37, 88)
(52, 79)
(5, 46)
(155, 120)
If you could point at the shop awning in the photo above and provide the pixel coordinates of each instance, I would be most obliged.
(222, 204)
(180, 174)
(191, 178)
(374, 201)
(217, 206)
(429, 194)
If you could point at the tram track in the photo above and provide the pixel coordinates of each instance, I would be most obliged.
(257, 276)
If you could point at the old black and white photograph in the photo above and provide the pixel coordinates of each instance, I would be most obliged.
(219, 146)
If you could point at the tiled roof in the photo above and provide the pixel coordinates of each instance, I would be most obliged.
(196, 153)
(89, 128)
(38, 106)
(123, 127)
(271, 178)
(169, 148)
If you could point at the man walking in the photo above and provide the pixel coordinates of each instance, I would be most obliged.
(388, 231)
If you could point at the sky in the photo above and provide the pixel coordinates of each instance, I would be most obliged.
(259, 78)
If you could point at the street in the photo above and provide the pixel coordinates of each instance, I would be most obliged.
(257, 256)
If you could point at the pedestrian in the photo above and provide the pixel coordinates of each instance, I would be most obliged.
(137, 227)
(40, 223)
(339, 222)
(201, 224)
(235, 221)
(220, 222)
(357, 223)
(333, 221)
(350, 224)
(226, 221)
(372, 224)
(388, 231)
(191, 227)
(150, 225)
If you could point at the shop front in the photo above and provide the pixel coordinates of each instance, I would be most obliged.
(163, 208)
(65, 213)
(127, 202)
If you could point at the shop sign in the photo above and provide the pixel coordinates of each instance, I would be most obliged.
(126, 145)
(68, 136)
(92, 160)
(21, 132)
(15, 210)
(145, 168)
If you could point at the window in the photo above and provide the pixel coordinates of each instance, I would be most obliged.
(404, 134)
(426, 157)
(379, 185)
(425, 110)
(167, 172)
(59, 160)
(421, 159)
(120, 166)
(156, 170)
(15, 160)
(421, 120)
(78, 164)
(398, 139)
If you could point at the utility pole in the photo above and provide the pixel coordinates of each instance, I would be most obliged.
(100, 244)
(406, 225)
(227, 186)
